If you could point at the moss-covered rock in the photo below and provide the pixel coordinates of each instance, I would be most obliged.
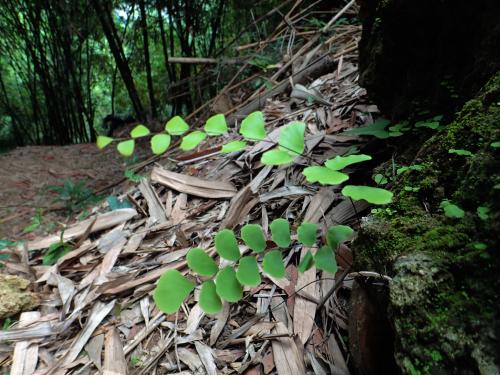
(14, 296)
(444, 302)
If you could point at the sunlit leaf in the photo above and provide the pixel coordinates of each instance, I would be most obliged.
(377, 129)
(460, 152)
(276, 157)
(216, 125)
(176, 126)
(380, 179)
(252, 127)
(483, 213)
(337, 234)
(495, 144)
(192, 140)
(253, 236)
(368, 193)
(324, 260)
(233, 146)
(226, 245)
(280, 232)
(209, 300)
(160, 143)
(452, 210)
(201, 263)
(273, 264)
(307, 233)
(103, 141)
(139, 131)
(227, 286)
(172, 289)
(480, 246)
(291, 138)
(324, 176)
(248, 272)
(306, 262)
(126, 148)
(340, 162)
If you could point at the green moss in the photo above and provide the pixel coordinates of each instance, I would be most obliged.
(443, 297)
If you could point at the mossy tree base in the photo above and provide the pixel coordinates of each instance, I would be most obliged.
(443, 299)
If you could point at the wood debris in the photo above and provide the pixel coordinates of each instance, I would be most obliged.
(96, 310)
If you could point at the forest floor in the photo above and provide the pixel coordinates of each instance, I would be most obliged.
(93, 308)
(27, 173)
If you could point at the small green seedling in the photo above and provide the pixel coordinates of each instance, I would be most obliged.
(55, 251)
(74, 195)
(35, 223)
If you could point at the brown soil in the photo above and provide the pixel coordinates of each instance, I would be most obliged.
(26, 172)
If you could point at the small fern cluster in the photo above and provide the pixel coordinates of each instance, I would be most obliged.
(291, 144)
(236, 272)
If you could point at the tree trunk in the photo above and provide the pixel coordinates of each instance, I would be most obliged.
(144, 27)
(116, 48)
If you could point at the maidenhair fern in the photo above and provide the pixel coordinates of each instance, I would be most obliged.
(291, 144)
(227, 284)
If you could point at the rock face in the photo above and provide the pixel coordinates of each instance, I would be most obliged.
(428, 55)
(443, 298)
(13, 295)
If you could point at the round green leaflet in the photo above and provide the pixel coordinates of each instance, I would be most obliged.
(325, 260)
(380, 179)
(307, 233)
(252, 127)
(337, 234)
(209, 300)
(233, 146)
(273, 264)
(253, 236)
(171, 290)
(192, 140)
(280, 232)
(139, 131)
(324, 176)
(368, 193)
(103, 141)
(226, 245)
(176, 126)
(276, 157)
(216, 125)
(160, 143)
(126, 148)
(248, 272)
(227, 286)
(340, 162)
(306, 262)
(452, 210)
(201, 263)
(291, 138)
(483, 213)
